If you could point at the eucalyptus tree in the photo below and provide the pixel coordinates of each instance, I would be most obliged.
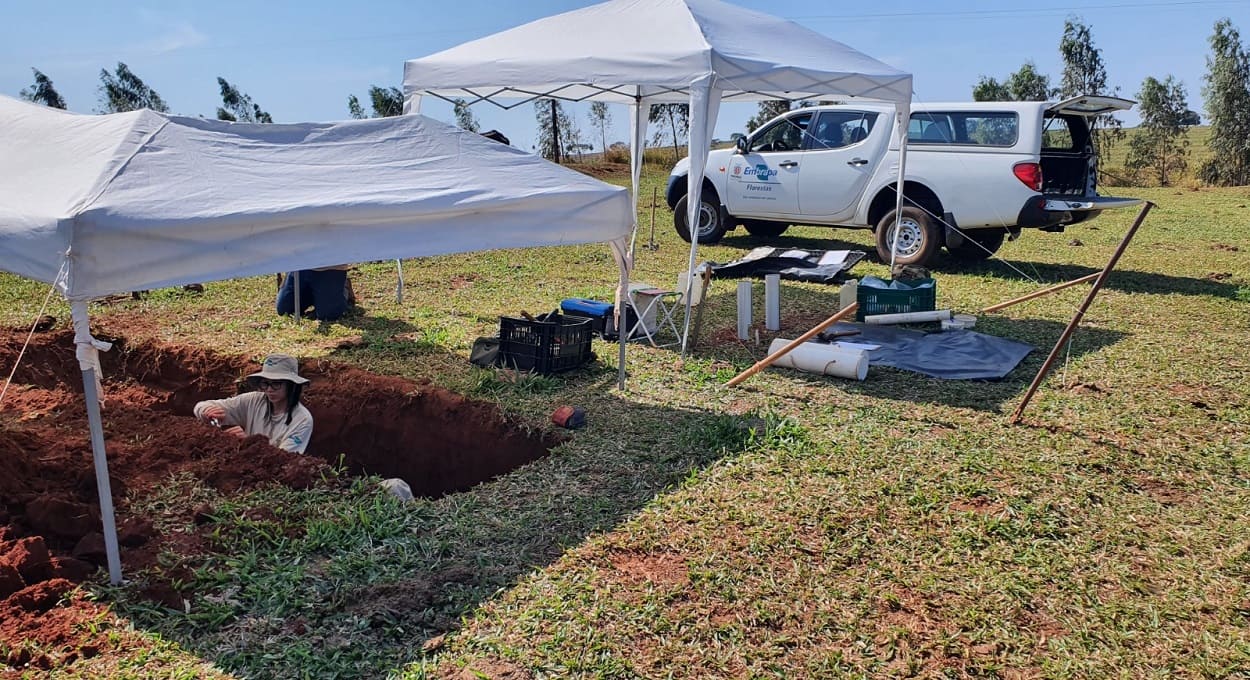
(43, 92)
(125, 91)
(1227, 95)
(238, 106)
(1085, 73)
(1160, 144)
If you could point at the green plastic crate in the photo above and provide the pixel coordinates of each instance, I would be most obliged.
(873, 301)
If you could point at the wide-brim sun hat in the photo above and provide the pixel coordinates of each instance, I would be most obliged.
(279, 367)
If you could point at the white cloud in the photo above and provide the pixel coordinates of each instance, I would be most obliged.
(168, 35)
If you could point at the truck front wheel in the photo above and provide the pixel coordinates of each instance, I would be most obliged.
(711, 226)
(918, 238)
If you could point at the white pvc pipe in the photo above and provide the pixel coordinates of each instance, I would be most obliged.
(772, 302)
(297, 309)
(815, 357)
(744, 310)
(909, 317)
(103, 487)
(399, 282)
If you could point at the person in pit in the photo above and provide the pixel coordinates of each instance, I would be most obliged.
(273, 409)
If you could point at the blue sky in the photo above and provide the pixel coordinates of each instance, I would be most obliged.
(301, 60)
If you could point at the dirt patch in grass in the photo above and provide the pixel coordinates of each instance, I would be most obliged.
(668, 569)
(50, 521)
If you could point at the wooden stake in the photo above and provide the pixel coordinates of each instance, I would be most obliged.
(1036, 294)
(764, 363)
(651, 244)
(698, 314)
(1080, 313)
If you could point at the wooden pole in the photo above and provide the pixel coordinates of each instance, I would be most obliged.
(1080, 313)
(698, 315)
(1037, 294)
(764, 363)
(651, 244)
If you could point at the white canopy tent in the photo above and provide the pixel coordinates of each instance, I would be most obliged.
(644, 52)
(96, 205)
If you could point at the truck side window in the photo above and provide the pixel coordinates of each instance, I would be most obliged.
(969, 128)
(836, 129)
(784, 135)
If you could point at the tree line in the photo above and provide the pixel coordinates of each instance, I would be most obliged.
(1159, 148)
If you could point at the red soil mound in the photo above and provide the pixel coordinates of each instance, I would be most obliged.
(50, 530)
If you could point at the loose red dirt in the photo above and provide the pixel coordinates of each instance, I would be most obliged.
(50, 526)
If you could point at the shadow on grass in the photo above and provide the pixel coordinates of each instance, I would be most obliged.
(1124, 280)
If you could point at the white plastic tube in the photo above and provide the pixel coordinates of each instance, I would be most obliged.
(744, 310)
(815, 357)
(909, 317)
(772, 302)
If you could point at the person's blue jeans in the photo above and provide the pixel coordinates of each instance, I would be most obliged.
(323, 291)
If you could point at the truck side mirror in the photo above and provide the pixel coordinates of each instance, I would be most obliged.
(740, 145)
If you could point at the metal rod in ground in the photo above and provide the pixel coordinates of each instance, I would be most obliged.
(651, 244)
(764, 363)
(1080, 313)
(1039, 293)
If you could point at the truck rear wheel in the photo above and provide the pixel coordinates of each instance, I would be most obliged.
(978, 245)
(711, 226)
(918, 239)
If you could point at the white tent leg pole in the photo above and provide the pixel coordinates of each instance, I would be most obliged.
(102, 476)
(87, 351)
(704, 107)
(399, 282)
(902, 121)
(295, 283)
(638, 115)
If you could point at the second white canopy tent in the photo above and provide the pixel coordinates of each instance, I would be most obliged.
(644, 52)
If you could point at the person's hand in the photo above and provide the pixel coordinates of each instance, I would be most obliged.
(213, 413)
(236, 431)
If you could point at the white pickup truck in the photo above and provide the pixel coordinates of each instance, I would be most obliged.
(976, 173)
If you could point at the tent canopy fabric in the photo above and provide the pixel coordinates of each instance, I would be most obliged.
(623, 50)
(643, 52)
(108, 204)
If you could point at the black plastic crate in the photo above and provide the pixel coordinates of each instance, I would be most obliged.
(873, 301)
(549, 344)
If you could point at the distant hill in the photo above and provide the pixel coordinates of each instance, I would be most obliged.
(1113, 163)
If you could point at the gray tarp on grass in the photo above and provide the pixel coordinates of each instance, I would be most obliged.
(950, 355)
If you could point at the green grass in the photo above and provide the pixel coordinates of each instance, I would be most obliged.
(795, 527)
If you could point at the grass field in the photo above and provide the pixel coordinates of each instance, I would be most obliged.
(1197, 153)
(797, 526)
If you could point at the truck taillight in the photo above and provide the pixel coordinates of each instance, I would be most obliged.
(1030, 174)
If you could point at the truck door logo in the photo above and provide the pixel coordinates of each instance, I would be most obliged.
(761, 172)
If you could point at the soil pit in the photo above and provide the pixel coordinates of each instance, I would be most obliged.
(435, 440)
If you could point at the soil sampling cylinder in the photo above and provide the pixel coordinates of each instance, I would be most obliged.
(815, 357)
(909, 317)
(744, 310)
(772, 302)
(848, 293)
